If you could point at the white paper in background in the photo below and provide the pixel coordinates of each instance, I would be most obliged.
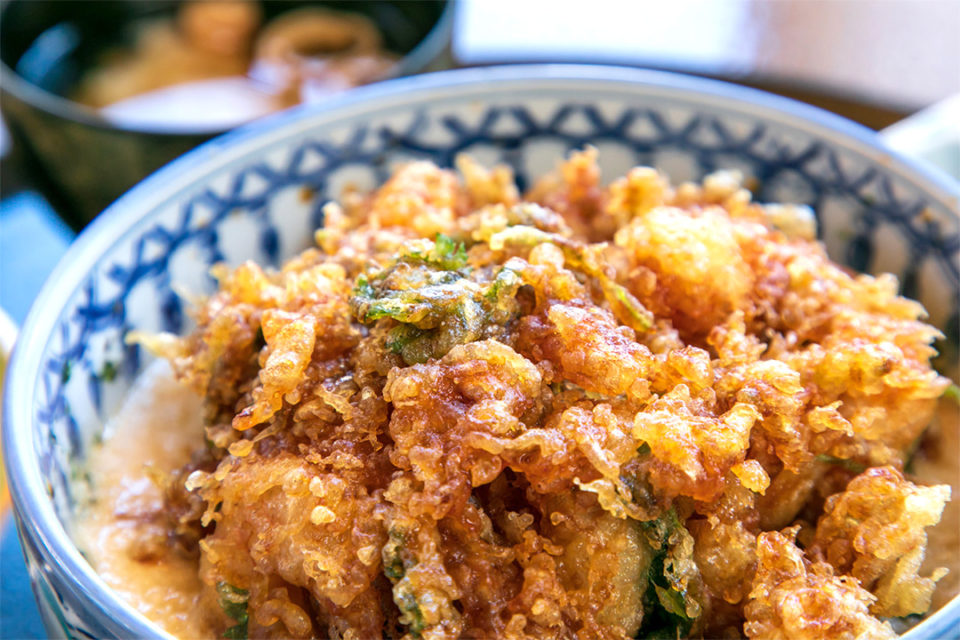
(902, 54)
(706, 36)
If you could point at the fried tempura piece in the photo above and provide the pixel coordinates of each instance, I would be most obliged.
(438, 439)
(419, 196)
(460, 417)
(793, 599)
(640, 191)
(874, 531)
(693, 453)
(725, 544)
(487, 186)
(603, 563)
(284, 532)
(690, 265)
(574, 191)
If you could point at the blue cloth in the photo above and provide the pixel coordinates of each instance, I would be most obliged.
(32, 240)
(19, 618)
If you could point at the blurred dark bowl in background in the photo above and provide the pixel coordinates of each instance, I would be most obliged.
(89, 161)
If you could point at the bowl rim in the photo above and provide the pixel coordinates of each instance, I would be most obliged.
(37, 97)
(32, 503)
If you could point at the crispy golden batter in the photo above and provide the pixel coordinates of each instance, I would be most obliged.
(874, 531)
(584, 414)
(794, 599)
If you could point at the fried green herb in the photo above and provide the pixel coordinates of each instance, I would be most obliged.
(402, 336)
(445, 254)
(410, 613)
(670, 609)
(391, 554)
(672, 601)
(396, 562)
(430, 292)
(582, 258)
(412, 292)
(850, 465)
(233, 601)
(952, 393)
(435, 305)
(505, 284)
(236, 632)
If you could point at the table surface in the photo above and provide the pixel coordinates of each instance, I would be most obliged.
(874, 61)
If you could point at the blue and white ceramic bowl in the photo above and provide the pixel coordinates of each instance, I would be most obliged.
(257, 193)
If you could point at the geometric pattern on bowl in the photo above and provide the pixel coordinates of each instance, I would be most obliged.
(258, 194)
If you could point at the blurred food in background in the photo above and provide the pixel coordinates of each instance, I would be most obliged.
(219, 63)
(99, 94)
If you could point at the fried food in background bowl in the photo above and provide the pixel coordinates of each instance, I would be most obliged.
(629, 405)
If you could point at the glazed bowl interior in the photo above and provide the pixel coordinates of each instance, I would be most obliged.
(257, 194)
